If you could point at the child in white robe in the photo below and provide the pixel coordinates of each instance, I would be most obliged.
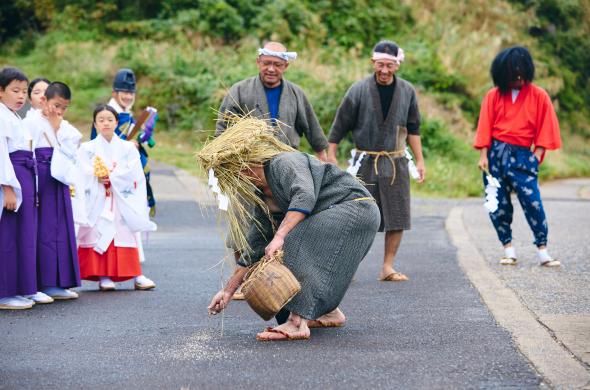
(18, 201)
(56, 143)
(115, 193)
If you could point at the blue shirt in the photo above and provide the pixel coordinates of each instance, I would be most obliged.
(273, 98)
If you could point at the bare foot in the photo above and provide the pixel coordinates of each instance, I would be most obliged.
(333, 319)
(294, 329)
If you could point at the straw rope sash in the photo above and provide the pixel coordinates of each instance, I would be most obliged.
(390, 155)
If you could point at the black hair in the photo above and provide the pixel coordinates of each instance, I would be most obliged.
(388, 47)
(510, 65)
(34, 82)
(104, 107)
(57, 88)
(9, 74)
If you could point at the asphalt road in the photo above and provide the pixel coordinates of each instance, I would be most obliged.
(431, 332)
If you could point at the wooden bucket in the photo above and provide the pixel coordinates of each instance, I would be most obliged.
(269, 286)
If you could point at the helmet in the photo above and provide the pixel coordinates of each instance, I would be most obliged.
(124, 81)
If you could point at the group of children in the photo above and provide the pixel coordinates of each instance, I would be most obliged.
(69, 211)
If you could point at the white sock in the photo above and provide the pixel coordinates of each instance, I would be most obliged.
(544, 255)
(510, 252)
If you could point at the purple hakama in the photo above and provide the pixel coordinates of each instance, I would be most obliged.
(57, 254)
(18, 233)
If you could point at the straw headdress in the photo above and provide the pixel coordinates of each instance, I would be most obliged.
(246, 142)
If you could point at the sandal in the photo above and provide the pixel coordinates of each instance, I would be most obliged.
(324, 324)
(286, 336)
(508, 261)
(394, 277)
(551, 263)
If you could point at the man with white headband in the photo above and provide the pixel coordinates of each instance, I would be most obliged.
(270, 96)
(382, 113)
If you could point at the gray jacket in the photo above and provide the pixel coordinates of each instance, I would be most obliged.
(296, 115)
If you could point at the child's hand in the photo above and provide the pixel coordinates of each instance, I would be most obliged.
(9, 198)
(104, 180)
(54, 118)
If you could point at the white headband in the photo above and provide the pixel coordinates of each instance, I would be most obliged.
(384, 56)
(284, 55)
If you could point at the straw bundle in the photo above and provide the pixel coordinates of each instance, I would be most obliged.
(269, 286)
(246, 142)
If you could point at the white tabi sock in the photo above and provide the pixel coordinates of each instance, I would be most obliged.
(544, 255)
(510, 252)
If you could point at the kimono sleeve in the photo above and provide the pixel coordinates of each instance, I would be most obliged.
(548, 134)
(292, 175)
(307, 123)
(413, 121)
(7, 174)
(483, 137)
(258, 237)
(128, 173)
(345, 119)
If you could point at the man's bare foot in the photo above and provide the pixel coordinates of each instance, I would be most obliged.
(294, 329)
(333, 319)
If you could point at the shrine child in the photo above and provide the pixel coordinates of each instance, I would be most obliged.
(18, 215)
(56, 144)
(115, 194)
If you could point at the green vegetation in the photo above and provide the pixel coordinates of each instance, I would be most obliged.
(187, 53)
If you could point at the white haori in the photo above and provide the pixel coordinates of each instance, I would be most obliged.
(65, 142)
(32, 112)
(13, 137)
(123, 214)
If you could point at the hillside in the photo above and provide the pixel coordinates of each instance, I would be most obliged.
(187, 53)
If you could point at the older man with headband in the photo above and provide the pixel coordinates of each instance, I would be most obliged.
(382, 113)
(270, 96)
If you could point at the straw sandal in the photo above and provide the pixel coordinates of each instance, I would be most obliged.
(394, 277)
(324, 324)
(508, 261)
(551, 263)
(286, 336)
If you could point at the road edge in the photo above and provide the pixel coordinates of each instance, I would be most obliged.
(555, 364)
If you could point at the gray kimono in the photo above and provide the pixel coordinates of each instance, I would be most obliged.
(360, 113)
(324, 250)
(296, 115)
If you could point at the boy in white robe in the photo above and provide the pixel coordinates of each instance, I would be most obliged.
(55, 143)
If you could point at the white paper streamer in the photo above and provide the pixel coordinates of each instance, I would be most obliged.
(491, 203)
(353, 167)
(222, 199)
(411, 166)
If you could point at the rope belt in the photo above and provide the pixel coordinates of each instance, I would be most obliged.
(390, 155)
